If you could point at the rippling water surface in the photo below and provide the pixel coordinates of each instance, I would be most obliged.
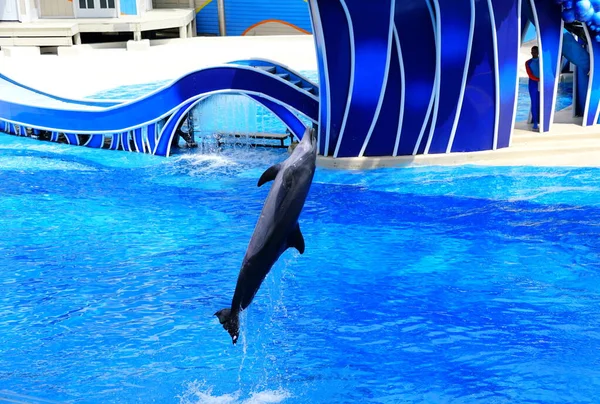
(463, 284)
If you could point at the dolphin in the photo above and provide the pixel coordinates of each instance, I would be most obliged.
(277, 228)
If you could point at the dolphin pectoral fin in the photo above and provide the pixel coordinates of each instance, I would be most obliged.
(296, 239)
(269, 175)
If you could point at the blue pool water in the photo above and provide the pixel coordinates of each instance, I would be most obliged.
(461, 284)
(564, 98)
(440, 284)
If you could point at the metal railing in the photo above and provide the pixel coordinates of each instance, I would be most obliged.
(221, 14)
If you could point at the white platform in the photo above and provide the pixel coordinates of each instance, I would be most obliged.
(66, 31)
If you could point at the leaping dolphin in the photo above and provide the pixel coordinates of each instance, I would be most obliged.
(277, 228)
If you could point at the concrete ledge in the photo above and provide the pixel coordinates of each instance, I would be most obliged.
(41, 41)
(568, 144)
(576, 152)
(68, 51)
(39, 28)
(174, 22)
(116, 26)
(21, 51)
(104, 45)
(141, 45)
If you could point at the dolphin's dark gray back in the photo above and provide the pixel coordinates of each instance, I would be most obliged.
(277, 228)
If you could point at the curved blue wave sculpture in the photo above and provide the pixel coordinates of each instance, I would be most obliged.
(148, 124)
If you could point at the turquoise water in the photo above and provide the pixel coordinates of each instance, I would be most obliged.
(435, 284)
(564, 98)
(441, 284)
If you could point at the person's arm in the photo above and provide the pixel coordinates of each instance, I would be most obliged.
(530, 72)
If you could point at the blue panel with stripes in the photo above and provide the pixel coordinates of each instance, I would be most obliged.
(318, 35)
(454, 38)
(437, 76)
(419, 67)
(335, 81)
(384, 135)
(370, 59)
(478, 113)
(164, 141)
(550, 30)
(506, 14)
(594, 94)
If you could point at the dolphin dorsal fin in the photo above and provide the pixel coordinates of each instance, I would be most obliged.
(270, 174)
(296, 240)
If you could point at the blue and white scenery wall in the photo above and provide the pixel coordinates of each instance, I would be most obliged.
(409, 77)
(406, 77)
(428, 77)
(255, 17)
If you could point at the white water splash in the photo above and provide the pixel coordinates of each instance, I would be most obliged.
(268, 396)
(198, 164)
(199, 393)
(238, 162)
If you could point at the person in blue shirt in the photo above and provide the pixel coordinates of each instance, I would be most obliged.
(533, 71)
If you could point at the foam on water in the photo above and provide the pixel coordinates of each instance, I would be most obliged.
(199, 165)
(217, 169)
(198, 393)
(228, 161)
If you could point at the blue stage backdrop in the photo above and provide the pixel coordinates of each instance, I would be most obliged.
(407, 77)
(397, 77)
(505, 15)
(592, 105)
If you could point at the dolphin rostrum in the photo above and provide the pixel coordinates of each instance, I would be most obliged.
(277, 228)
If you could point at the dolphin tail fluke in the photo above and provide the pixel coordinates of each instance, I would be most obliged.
(230, 322)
